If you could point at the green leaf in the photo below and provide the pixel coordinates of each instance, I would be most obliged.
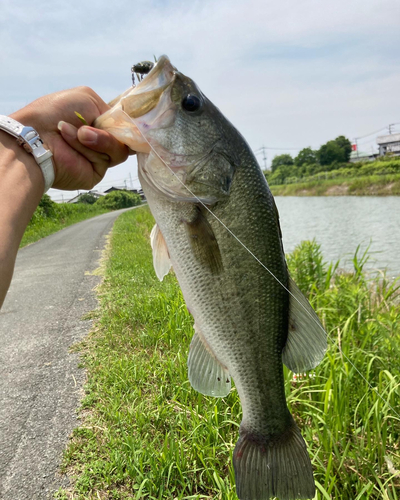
(81, 118)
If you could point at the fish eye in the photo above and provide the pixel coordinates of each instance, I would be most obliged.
(191, 103)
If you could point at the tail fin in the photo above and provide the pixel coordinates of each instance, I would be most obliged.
(268, 468)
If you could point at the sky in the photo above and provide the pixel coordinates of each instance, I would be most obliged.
(288, 74)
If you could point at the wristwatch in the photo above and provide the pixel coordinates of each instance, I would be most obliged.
(29, 139)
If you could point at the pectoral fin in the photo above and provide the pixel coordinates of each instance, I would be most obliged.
(206, 374)
(203, 242)
(307, 340)
(161, 260)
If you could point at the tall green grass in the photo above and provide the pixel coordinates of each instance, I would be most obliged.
(146, 434)
(59, 216)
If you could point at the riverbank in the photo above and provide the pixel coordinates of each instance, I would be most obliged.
(147, 434)
(372, 185)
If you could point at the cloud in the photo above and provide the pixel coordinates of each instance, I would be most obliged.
(286, 73)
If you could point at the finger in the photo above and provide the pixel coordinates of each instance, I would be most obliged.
(100, 161)
(103, 142)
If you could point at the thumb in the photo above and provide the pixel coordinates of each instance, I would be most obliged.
(103, 142)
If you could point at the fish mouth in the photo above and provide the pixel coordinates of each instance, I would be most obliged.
(140, 117)
(149, 99)
(146, 95)
(162, 74)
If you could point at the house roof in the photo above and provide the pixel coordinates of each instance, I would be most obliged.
(387, 139)
(362, 154)
(122, 188)
(76, 198)
(116, 188)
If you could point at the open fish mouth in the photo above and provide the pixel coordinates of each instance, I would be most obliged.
(161, 74)
(142, 118)
(149, 91)
(123, 119)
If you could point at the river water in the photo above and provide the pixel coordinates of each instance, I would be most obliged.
(341, 223)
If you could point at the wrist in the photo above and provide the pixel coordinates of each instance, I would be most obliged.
(12, 155)
(21, 187)
(29, 139)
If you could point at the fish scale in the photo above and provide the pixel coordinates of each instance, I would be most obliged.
(246, 335)
(216, 221)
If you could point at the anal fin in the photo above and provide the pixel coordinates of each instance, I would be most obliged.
(161, 261)
(307, 340)
(206, 374)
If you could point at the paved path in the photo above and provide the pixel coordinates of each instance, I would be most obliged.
(40, 383)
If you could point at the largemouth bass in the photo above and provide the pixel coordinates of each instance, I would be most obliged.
(218, 226)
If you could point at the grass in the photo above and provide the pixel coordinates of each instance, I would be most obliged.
(63, 215)
(146, 434)
(370, 185)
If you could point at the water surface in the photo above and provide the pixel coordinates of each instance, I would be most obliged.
(341, 223)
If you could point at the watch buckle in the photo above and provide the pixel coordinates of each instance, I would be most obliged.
(29, 139)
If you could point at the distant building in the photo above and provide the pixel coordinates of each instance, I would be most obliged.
(356, 156)
(77, 198)
(116, 188)
(389, 144)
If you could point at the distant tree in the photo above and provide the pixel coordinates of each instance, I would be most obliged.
(88, 198)
(337, 151)
(282, 173)
(331, 152)
(45, 210)
(306, 157)
(119, 199)
(47, 205)
(345, 144)
(280, 160)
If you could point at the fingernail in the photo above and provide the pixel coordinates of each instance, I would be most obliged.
(67, 129)
(87, 135)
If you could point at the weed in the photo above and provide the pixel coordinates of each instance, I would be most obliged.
(147, 434)
(62, 215)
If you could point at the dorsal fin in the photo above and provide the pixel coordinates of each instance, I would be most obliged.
(307, 340)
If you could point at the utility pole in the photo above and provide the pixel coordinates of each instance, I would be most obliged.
(125, 184)
(390, 127)
(130, 177)
(264, 157)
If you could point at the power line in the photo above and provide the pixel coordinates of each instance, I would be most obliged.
(260, 150)
(115, 181)
(376, 131)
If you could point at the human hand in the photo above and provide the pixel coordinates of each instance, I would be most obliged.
(81, 154)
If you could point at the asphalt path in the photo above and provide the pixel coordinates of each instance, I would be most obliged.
(40, 382)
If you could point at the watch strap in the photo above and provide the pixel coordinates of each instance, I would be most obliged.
(29, 139)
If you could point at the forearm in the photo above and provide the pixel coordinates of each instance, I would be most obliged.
(81, 157)
(21, 188)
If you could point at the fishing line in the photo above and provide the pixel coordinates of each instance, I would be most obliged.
(266, 268)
